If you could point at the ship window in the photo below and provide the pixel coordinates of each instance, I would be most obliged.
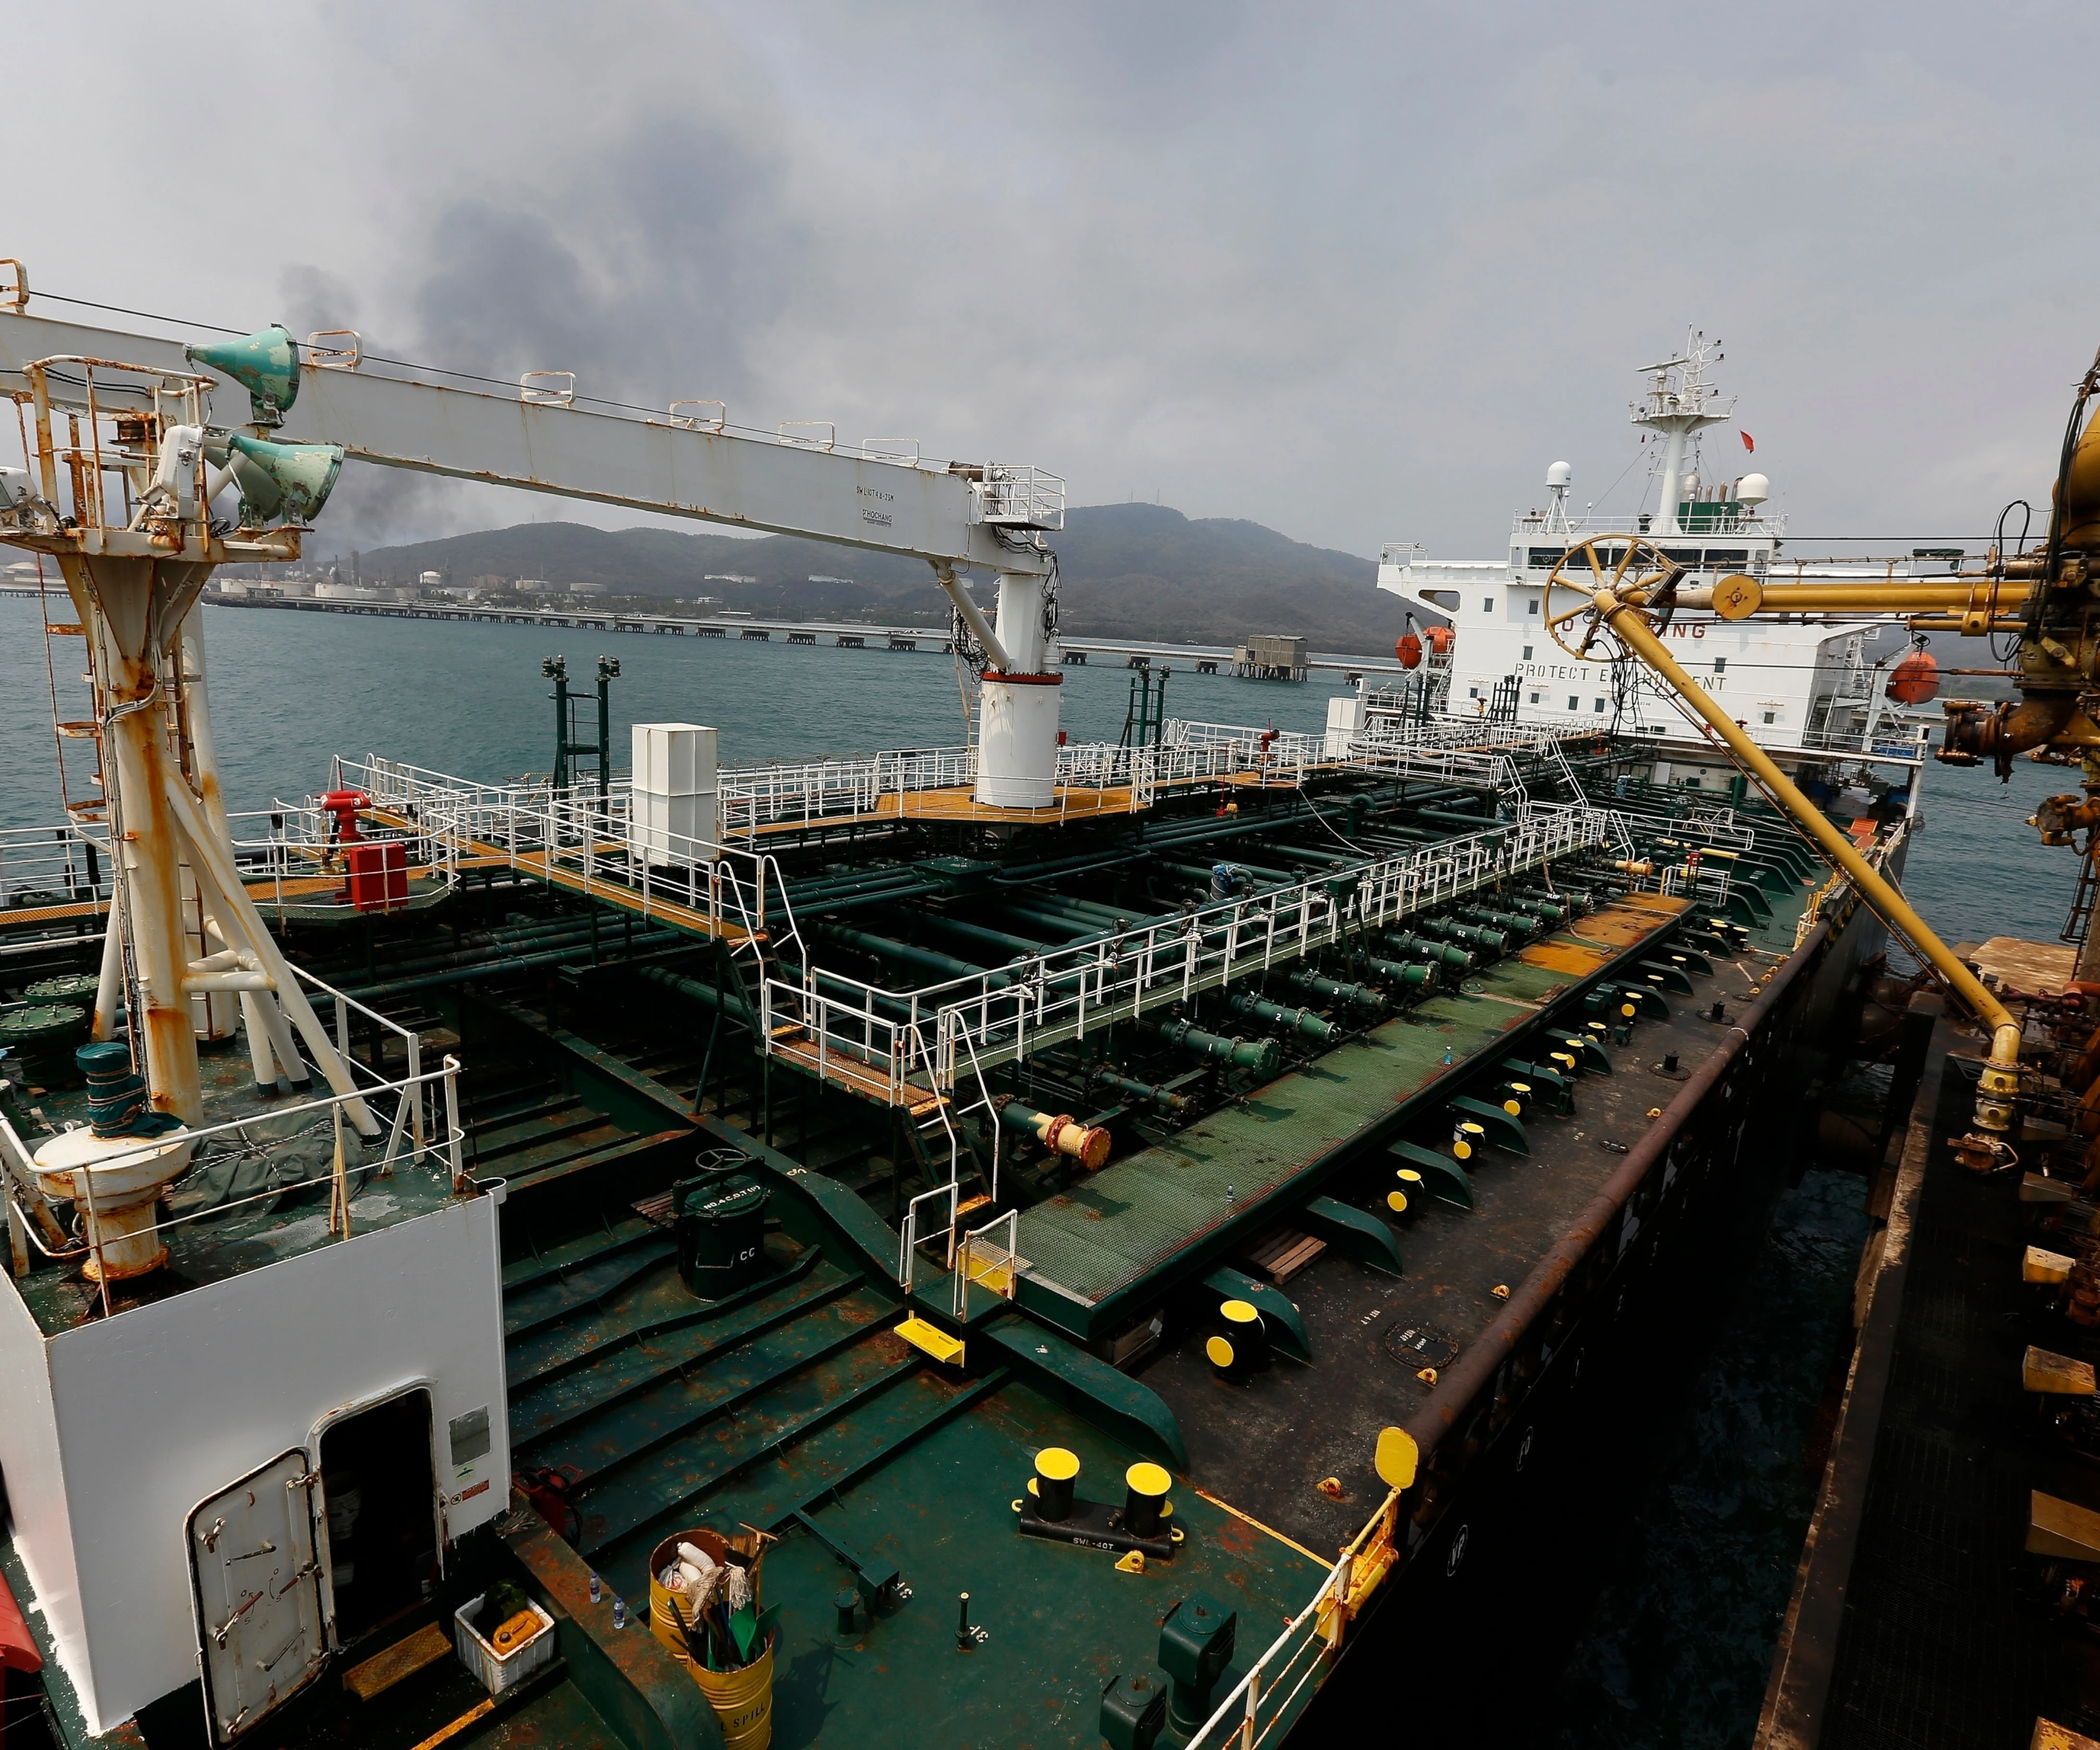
(1487, 604)
(1472, 692)
(1533, 608)
(1772, 716)
(1600, 705)
(1720, 665)
(1535, 698)
(1527, 653)
(1727, 556)
(1573, 703)
(1682, 555)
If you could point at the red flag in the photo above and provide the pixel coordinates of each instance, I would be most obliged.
(1749, 443)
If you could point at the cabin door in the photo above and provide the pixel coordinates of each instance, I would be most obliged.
(255, 1580)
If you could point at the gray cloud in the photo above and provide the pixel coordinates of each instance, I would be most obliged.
(1357, 273)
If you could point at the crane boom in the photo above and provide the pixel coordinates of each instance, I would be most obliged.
(539, 440)
(138, 406)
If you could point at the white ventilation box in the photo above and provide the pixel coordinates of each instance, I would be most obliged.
(1345, 722)
(676, 818)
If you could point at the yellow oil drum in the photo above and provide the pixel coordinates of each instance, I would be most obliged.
(743, 1700)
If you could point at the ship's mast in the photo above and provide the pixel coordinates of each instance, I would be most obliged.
(1679, 401)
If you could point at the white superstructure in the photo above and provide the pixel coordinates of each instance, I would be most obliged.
(1811, 683)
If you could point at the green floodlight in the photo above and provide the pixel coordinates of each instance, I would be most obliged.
(266, 364)
(291, 481)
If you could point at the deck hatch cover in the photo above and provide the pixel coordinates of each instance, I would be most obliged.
(255, 1584)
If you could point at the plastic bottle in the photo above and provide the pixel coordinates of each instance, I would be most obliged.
(597, 1589)
(619, 1613)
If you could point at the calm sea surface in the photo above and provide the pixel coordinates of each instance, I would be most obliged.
(1676, 1651)
(288, 688)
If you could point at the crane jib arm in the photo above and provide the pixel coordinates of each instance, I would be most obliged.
(551, 446)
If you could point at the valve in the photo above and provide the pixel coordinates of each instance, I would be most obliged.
(1060, 1133)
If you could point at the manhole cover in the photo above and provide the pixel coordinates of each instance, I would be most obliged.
(1419, 1346)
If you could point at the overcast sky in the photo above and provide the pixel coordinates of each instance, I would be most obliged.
(1357, 273)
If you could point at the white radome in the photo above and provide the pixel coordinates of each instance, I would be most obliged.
(1752, 489)
(1559, 474)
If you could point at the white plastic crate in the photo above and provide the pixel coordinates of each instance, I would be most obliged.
(499, 1672)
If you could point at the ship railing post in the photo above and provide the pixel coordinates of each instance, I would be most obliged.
(454, 1137)
(415, 1091)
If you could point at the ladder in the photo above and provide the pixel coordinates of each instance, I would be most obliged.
(80, 776)
(2080, 923)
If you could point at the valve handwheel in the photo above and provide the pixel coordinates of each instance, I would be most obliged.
(1617, 562)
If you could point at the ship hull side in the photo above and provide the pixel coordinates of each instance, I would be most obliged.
(1530, 1466)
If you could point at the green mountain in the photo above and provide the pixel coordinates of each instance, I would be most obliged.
(1128, 571)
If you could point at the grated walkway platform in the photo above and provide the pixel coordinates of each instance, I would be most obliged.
(1106, 1237)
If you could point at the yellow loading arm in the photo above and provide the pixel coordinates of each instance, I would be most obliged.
(2002, 1079)
(2046, 596)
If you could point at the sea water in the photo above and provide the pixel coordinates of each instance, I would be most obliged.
(1676, 1649)
(290, 688)
(1678, 1646)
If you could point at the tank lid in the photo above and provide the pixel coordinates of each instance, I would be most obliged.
(729, 1198)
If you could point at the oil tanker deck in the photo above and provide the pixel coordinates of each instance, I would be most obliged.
(1135, 1243)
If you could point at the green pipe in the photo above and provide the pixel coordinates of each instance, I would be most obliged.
(1506, 921)
(696, 990)
(1110, 917)
(1264, 1056)
(909, 953)
(1445, 953)
(990, 938)
(401, 987)
(823, 897)
(1489, 942)
(1303, 1021)
(571, 935)
(1469, 823)
(1201, 872)
(1071, 928)
(1334, 989)
(1133, 1089)
(1326, 859)
(1413, 976)
(852, 880)
(1562, 906)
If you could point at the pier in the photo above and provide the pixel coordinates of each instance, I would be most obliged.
(751, 628)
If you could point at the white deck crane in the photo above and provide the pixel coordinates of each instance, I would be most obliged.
(133, 441)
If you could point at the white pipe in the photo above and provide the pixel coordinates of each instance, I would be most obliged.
(277, 1031)
(974, 618)
(110, 986)
(260, 1057)
(268, 1037)
(200, 983)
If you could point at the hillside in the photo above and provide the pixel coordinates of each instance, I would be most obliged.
(1129, 572)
